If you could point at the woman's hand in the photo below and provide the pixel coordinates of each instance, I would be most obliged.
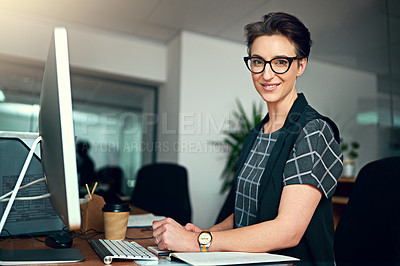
(168, 234)
(193, 228)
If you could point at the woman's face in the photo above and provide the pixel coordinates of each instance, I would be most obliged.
(275, 88)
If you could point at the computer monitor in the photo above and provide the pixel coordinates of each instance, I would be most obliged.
(57, 132)
(56, 136)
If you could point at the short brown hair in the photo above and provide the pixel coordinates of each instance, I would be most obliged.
(279, 23)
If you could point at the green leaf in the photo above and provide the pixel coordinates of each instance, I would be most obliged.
(243, 116)
(355, 145)
(345, 147)
(235, 139)
(353, 154)
(349, 150)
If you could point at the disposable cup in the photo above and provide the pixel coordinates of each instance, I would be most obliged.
(115, 220)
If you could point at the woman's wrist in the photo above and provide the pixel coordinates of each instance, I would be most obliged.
(227, 224)
(219, 227)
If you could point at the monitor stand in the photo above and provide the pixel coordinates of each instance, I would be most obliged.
(33, 256)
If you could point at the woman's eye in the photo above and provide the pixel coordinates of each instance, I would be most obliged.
(280, 62)
(257, 62)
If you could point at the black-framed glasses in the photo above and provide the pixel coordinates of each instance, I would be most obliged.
(279, 65)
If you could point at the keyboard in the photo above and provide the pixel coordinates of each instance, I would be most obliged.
(120, 249)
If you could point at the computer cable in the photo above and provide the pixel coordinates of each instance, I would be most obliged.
(44, 196)
(24, 236)
(4, 197)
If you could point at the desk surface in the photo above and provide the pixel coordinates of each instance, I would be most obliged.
(91, 257)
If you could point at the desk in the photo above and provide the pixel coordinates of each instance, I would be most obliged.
(341, 197)
(91, 257)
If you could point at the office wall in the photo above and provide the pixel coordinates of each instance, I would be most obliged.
(168, 105)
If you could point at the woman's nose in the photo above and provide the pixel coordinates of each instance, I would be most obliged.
(268, 73)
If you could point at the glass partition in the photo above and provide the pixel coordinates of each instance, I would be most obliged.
(108, 115)
(365, 44)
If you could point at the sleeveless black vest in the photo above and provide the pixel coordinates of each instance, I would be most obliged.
(317, 242)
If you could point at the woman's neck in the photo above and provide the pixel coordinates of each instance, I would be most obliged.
(278, 112)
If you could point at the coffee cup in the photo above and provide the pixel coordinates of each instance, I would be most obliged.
(115, 220)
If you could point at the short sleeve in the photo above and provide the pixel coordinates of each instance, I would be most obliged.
(316, 159)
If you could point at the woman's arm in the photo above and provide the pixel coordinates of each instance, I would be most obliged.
(297, 206)
(224, 225)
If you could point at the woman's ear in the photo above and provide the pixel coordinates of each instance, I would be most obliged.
(301, 66)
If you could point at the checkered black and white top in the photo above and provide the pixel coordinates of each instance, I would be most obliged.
(316, 159)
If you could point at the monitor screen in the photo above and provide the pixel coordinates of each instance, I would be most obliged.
(57, 133)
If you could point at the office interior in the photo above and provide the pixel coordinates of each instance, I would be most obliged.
(158, 80)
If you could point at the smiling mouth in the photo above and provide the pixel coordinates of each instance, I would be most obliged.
(269, 87)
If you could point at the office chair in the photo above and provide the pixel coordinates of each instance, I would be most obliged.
(162, 189)
(112, 177)
(368, 233)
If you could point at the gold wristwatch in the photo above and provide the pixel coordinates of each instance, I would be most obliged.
(204, 240)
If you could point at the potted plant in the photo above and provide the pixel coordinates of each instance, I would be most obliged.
(350, 154)
(234, 139)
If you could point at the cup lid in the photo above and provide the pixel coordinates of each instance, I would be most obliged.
(116, 208)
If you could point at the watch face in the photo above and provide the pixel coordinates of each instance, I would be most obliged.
(204, 238)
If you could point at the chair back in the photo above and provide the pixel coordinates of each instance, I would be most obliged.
(112, 177)
(162, 189)
(369, 230)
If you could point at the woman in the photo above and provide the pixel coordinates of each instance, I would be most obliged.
(289, 164)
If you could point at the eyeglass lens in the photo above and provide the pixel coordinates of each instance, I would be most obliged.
(278, 65)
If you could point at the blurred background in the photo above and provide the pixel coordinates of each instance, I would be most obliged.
(157, 80)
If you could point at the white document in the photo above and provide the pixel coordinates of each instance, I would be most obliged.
(229, 258)
(143, 220)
